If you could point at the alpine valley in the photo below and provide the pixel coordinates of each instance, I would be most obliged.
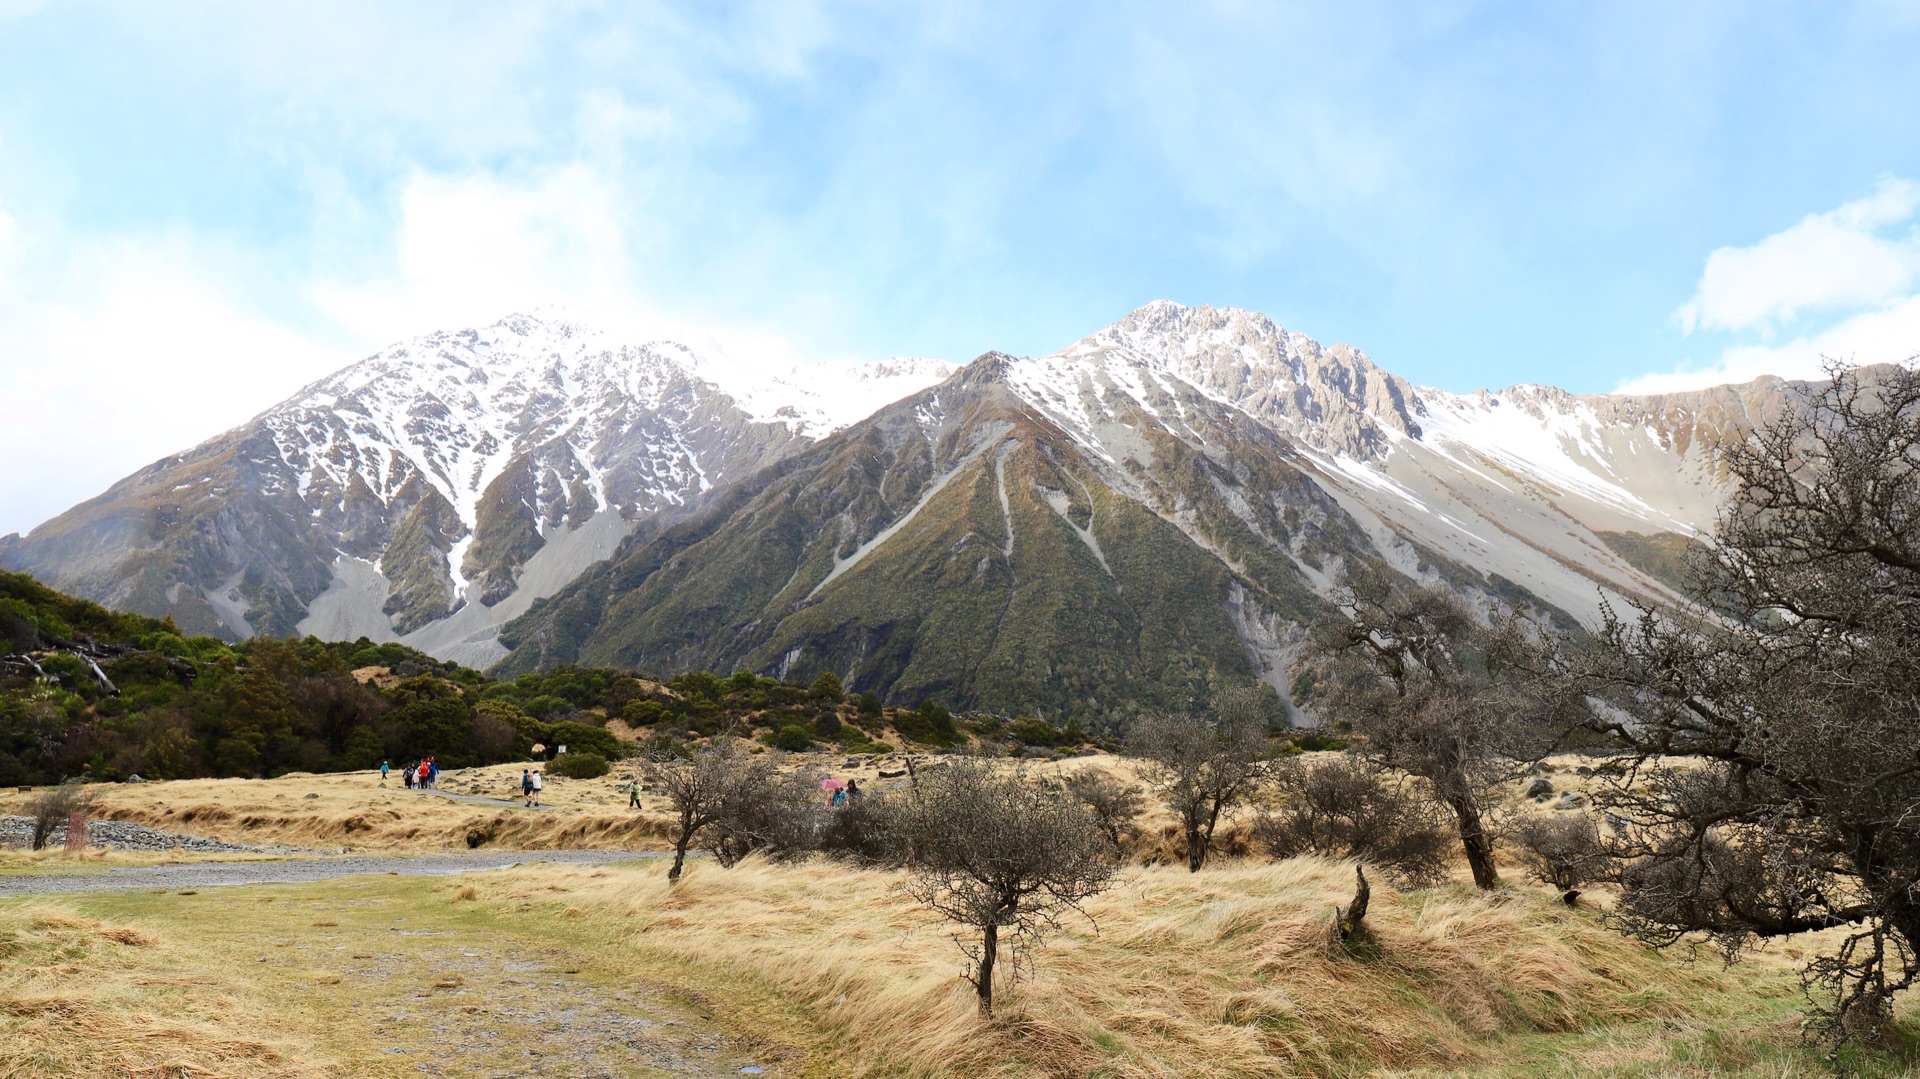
(1163, 506)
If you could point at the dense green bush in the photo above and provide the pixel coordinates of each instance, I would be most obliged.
(792, 738)
(827, 688)
(1034, 732)
(932, 724)
(550, 706)
(583, 765)
(578, 737)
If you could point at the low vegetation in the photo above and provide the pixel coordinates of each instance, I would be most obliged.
(831, 970)
(90, 693)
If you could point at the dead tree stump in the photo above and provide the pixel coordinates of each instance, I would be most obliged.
(1345, 923)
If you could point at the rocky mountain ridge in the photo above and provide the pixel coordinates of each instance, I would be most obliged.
(1163, 504)
(431, 477)
(648, 505)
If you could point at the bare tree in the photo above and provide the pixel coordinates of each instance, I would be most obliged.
(708, 790)
(1792, 686)
(1113, 801)
(1203, 766)
(763, 810)
(53, 808)
(1425, 686)
(1346, 807)
(1565, 852)
(996, 852)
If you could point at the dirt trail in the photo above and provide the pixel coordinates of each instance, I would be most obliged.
(288, 871)
(482, 976)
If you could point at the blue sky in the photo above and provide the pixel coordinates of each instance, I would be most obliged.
(204, 206)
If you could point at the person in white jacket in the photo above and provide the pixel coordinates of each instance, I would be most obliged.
(534, 800)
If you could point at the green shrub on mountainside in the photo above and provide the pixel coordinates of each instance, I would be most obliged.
(194, 706)
(62, 615)
(582, 765)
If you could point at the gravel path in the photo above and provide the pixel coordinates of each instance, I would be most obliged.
(289, 871)
(481, 799)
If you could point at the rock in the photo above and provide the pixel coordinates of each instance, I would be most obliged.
(1570, 800)
(1583, 770)
(135, 778)
(1617, 823)
(313, 796)
(850, 762)
(1539, 788)
(15, 832)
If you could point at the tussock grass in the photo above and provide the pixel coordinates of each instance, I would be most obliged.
(1217, 974)
(80, 997)
(56, 859)
(815, 969)
(351, 810)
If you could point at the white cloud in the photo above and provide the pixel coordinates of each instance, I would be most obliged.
(121, 353)
(1887, 335)
(1839, 260)
(1846, 262)
(472, 249)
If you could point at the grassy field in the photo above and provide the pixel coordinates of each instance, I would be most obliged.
(352, 811)
(819, 970)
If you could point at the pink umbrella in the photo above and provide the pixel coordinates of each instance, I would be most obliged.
(832, 784)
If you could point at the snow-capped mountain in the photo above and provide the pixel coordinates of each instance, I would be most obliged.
(1529, 483)
(1165, 502)
(455, 474)
(1172, 492)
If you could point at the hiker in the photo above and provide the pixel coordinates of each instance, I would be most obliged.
(537, 785)
(839, 798)
(633, 795)
(408, 775)
(853, 791)
(526, 785)
(383, 773)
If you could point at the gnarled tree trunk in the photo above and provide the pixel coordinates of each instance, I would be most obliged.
(1475, 840)
(983, 978)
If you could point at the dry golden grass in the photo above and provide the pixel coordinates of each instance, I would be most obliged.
(816, 969)
(79, 997)
(1217, 974)
(350, 810)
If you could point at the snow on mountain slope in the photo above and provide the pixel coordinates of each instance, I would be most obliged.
(436, 489)
(1524, 484)
(818, 400)
(531, 429)
(464, 471)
